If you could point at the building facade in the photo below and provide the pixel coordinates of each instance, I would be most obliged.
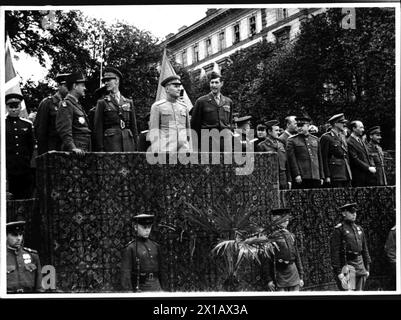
(223, 31)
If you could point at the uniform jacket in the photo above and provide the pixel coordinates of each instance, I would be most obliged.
(287, 253)
(115, 125)
(20, 144)
(45, 124)
(207, 114)
(304, 157)
(360, 161)
(275, 145)
(351, 238)
(376, 152)
(71, 120)
(23, 270)
(149, 261)
(169, 127)
(390, 246)
(335, 157)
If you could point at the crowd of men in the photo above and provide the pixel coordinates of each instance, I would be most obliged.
(343, 156)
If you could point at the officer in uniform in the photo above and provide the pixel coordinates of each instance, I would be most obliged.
(335, 154)
(284, 269)
(348, 246)
(169, 123)
(242, 140)
(23, 264)
(304, 157)
(376, 152)
(115, 125)
(214, 111)
(72, 123)
(273, 144)
(20, 144)
(141, 260)
(45, 121)
(290, 130)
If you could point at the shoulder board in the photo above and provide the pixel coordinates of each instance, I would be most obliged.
(393, 228)
(30, 250)
(132, 241)
(145, 131)
(26, 120)
(338, 226)
(160, 102)
(293, 136)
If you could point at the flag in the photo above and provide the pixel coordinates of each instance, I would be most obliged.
(12, 84)
(167, 70)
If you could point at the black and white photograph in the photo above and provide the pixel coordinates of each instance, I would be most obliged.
(233, 150)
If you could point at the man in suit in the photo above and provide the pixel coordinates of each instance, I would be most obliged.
(214, 111)
(291, 129)
(362, 165)
(19, 149)
(335, 154)
(273, 144)
(45, 121)
(304, 157)
(374, 137)
(72, 123)
(115, 127)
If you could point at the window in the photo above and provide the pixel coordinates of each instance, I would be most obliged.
(208, 47)
(222, 40)
(184, 57)
(252, 26)
(196, 52)
(281, 14)
(236, 33)
(282, 35)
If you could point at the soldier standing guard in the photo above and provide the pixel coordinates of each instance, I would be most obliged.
(115, 126)
(19, 149)
(23, 264)
(45, 121)
(72, 123)
(348, 246)
(335, 158)
(376, 152)
(284, 270)
(141, 260)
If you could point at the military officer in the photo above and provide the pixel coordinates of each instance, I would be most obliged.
(23, 264)
(242, 139)
(304, 157)
(361, 162)
(20, 144)
(169, 123)
(214, 111)
(284, 269)
(72, 123)
(335, 154)
(141, 260)
(348, 246)
(273, 144)
(45, 121)
(115, 125)
(374, 137)
(290, 130)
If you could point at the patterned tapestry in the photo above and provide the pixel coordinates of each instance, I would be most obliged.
(87, 205)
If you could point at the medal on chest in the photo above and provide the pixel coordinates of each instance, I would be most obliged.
(27, 258)
(81, 120)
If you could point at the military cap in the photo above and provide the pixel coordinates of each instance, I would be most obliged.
(337, 118)
(242, 120)
(14, 97)
(302, 120)
(62, 78)
(215, 75)
(111, 73)
(144, 219)
(76, 77)
(374, 130)
(260, 127)
(169, 79)
(348, 207)
(15, 226)
(271, 123)
(280, 211)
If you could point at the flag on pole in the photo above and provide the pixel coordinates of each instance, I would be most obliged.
(167, 70)
(12, 84)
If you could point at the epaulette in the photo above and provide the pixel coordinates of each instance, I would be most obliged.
(393, 228)
(145, 131)
(30, 250)
(160, 102)
(26, 120)
(293, 136)
(338, 226)
(132, 241)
